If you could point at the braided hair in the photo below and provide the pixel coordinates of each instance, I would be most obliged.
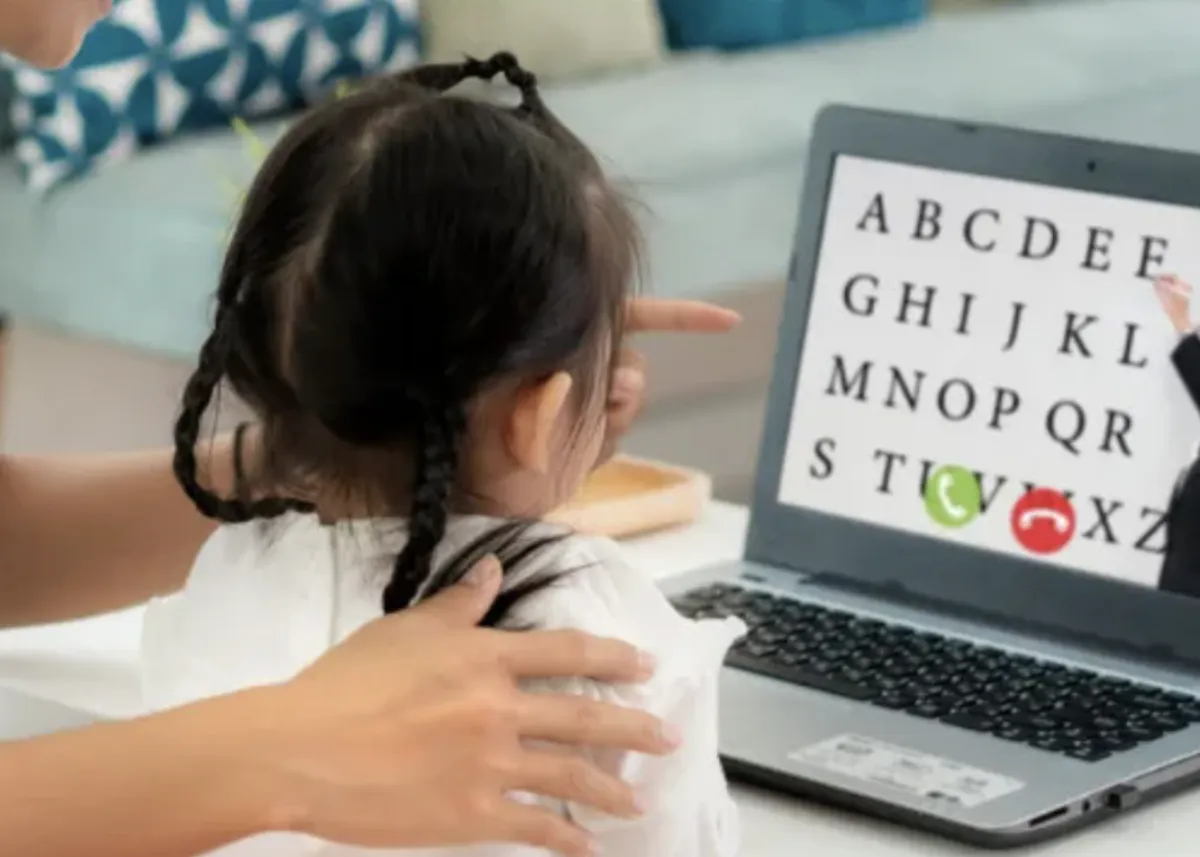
(400, 251)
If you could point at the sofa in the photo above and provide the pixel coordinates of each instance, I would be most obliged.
(711, 143)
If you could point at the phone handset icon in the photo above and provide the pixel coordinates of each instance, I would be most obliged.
(1061, 522)
(1043, 521)
(944, 486)
(952, 497)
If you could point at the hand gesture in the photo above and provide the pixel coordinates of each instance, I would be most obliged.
(1176, 298)
(647, 315)
(414, 731)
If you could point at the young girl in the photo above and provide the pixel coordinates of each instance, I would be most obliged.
(423, 302)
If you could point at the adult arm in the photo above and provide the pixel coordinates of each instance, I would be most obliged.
(1175, 297)
(412, 733)
(81, 535)
(1180, 571)
(174, 785)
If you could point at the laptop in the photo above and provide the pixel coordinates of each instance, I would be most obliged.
(952, 576)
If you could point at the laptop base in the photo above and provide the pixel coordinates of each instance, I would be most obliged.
(924, 773)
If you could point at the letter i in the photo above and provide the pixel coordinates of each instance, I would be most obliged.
(964, 314)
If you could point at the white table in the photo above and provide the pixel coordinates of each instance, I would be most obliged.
(92, 665)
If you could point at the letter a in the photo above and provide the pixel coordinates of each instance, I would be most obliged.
(874, 212)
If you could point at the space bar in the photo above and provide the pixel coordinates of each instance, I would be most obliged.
(802, 677)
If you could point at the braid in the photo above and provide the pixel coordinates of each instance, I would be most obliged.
(440, 77)
(241, 485)
(524, 80)
(197, 395)
(437, 469)
(437, 77)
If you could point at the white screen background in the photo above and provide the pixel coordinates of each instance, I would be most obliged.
(1166, 427)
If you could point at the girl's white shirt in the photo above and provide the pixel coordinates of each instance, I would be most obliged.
(263, 603)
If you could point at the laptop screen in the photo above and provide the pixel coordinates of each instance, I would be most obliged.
(986, 362)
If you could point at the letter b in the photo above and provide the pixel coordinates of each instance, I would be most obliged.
(929, 225)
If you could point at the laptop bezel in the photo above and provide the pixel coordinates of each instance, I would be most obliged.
(1007, 589)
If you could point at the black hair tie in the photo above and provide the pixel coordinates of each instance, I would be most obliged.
(241, 486)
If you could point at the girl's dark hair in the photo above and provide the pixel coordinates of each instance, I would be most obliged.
(400, 250)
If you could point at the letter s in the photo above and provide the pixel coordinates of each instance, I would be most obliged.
(822, 468)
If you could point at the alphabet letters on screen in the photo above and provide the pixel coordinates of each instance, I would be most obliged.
(963, 325)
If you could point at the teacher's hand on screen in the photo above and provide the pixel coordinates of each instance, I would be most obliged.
(1176, 298)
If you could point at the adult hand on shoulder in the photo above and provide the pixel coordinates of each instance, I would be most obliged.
(647, 315)
(411, 732)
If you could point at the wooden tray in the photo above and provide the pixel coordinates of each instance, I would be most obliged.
(631, 496)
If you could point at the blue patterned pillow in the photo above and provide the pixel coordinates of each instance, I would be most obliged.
(157, 68)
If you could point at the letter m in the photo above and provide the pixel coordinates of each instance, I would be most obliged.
(854, 386)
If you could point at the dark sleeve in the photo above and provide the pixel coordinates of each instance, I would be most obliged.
(1186, 358)
(1180, 572)
(1181, 562)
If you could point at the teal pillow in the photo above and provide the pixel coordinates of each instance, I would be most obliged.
(738, 24)
(154, 69)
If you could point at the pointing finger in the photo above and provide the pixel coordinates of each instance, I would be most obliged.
(651, 314)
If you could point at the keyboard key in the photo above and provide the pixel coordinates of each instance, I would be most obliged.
(1058, 709)
(804, 677)
(973, 722)
(894, 699)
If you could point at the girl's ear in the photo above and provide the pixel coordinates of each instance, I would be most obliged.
(533, 425)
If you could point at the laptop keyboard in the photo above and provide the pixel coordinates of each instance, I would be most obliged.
(1074, 712)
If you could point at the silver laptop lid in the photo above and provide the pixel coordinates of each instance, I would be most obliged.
(973, 399)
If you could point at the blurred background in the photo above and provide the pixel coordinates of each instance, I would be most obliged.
(119, 176)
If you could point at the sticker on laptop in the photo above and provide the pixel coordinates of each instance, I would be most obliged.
(911, 771)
